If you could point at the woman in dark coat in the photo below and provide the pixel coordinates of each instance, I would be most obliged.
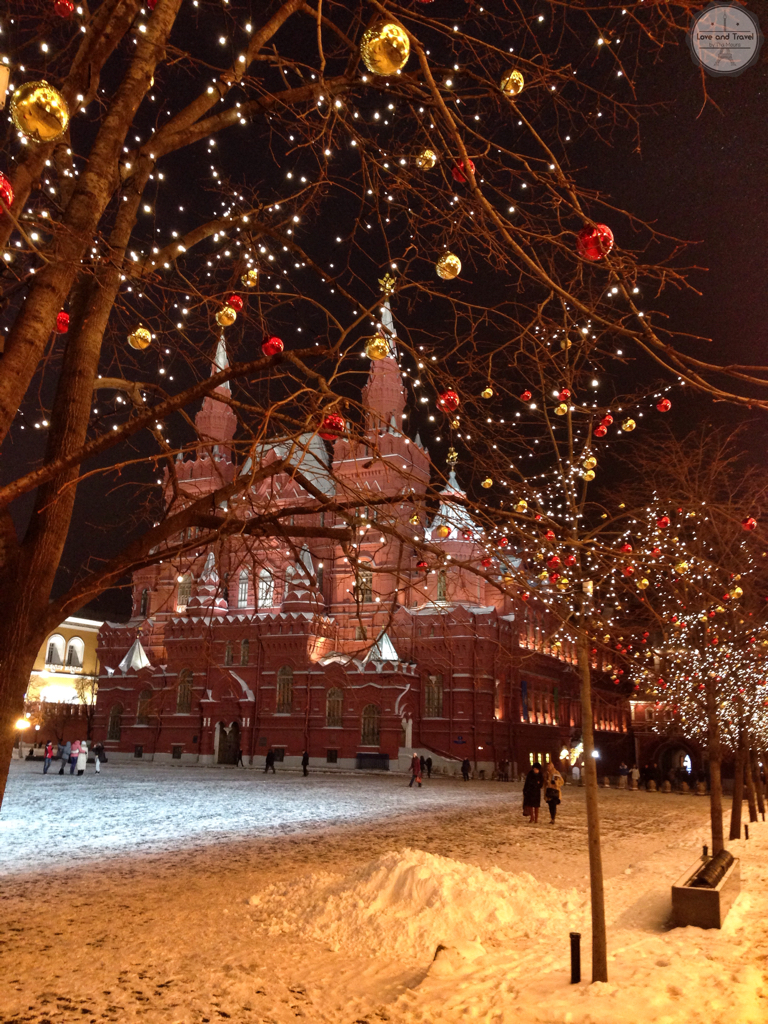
(532, 792)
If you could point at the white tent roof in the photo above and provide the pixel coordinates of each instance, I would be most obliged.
(135, 659)
(383, 650)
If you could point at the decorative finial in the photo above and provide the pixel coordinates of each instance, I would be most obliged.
(387, 284)
(452, 457)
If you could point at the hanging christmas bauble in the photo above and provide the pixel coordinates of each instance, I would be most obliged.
(588, 475)
(601, 431)
(63, 8)
(526, 396)
(448, 400)
(226, 316)
(422, 564)
(570, 559)
(507, 579)
(553, 562)
(488, 482)
(455, 423)
(442, 532)
(736, 593)
(235, 302)
(664, 405)
(377, 347)
(487, 392)
(565, 344)
(663, 522)
(141, 338)
(563, 583)
(448, 266)
(561, 409)
(550, 535)
(6, 192)
(593, 243)
(564, 395)
(486, 562)
(749, 523)
(543, 575)
(459, 171)
(385, 48)
(466, 534)
(554, 577)
(626, 547)
(426, 159)
(39, 111)
(250, 278)
(414, 519)
(151, 4)
(62, 322)
(681, 567)
(629, 570)
(272, 346)
(524, 597)
(590, 462)
(628, 425)
(502, 542)
(521, 506)
(512, 83)
(333, 426)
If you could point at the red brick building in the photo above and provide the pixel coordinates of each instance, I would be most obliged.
(265, 646)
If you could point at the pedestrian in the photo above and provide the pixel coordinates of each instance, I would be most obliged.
(239, 760)
(305, 762)
(532, 793)
(270, 762)
(415, 771)
(66, 751)
(73, 755)
(576, 774)
(623, 775)
(82, 758)
(634, 774)
(423, 763)
(48, 756)
(428, 763)
(98, 756)
(554, 785)
(466, 768)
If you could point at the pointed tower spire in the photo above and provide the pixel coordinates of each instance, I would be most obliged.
(216, 421)
(384, 394)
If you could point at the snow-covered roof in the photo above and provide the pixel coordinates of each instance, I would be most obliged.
(135, 659)
(306, 453)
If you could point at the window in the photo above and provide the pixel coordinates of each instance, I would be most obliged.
(279, 753)
(184, 692)
(442, 585)
(184, 594)
(228, 653)
(284, 704)
(319, 575)
(115, 722)
(363, 586)
(266, 589)
(242, 590)
(142, 712)
(360, 633)
(332, 756)
(75, 652)
(245, 647)
(649, 714)
(433, 697)
(144, 605)
(370, 732)
(55, 653)
(333, 707)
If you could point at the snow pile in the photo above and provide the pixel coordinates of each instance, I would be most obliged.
(408, 902)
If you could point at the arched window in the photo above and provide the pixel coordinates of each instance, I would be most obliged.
(75, 652)
(184, 692)
(649, 714)
(363, 585)
(244, 652)
(228, 653)
(54, 654)
(333, 702)
(184, 594)
(370, 732)
(433, 697)
(266, 589)
(144, 605)
(442, 585)
(143, 710)
(242, 590)
(284, 704)
(115, 722)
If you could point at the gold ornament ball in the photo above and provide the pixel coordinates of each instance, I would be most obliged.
(385, 48)
(521, 506)
(140, 339)
(512, 83)
(565, 344)
(681, 567)
(628, 426)
(377, 347)
(414, 519)
(736, 593)
(488, 482)
(456, 423)
(250, 278)
(487, 392)
(543, 576)
(442, 532)
(589, 463)
(643, 584)
(561, 409)
(563, 583)
(39, 111)
(588, 475)
(226, 316)
(426, 159)
(507, 579)
(448, 266)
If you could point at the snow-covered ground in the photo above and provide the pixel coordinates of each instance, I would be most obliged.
(267, 900)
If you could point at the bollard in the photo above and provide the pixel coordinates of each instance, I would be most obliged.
(746, 831)
(705, 849)
(575, 958)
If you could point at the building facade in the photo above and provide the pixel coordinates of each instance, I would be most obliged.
(358, 652)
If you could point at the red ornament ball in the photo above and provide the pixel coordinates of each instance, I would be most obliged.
(607, 420)
(656, 552)
(422, 565)
(502, 542)
(553, 562)
(749, 523)
(62, 322)
(486, 562)
(554, 577)
(626, 547)
(448, 400)
(601, 431)
(151, 4)
(524, 597)
(6, 192)
(273, 347)
(466, 534)
(593, 243)
(550, 534)
(662, 522)
(664, 405)
(526, 396)
(564, 395)
(63, 8)
(332, 426)
(458, 171)
(235, 302)
(629, 570)
(570, 560)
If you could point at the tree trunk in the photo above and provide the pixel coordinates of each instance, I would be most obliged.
(16, 669)
(750, 780)
(715, 768)
(599, 941)
(738, 795)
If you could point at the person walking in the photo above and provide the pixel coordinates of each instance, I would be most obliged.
(428, 763)
(634, 775)
(73, 755)
(269, 762)
(305, 762)
(415, 771)
(48, 756)
(82, 758)
(554, 785)
(239, 760)
(66, 751)
(98, 756)
(532, 793)
(466, 768)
